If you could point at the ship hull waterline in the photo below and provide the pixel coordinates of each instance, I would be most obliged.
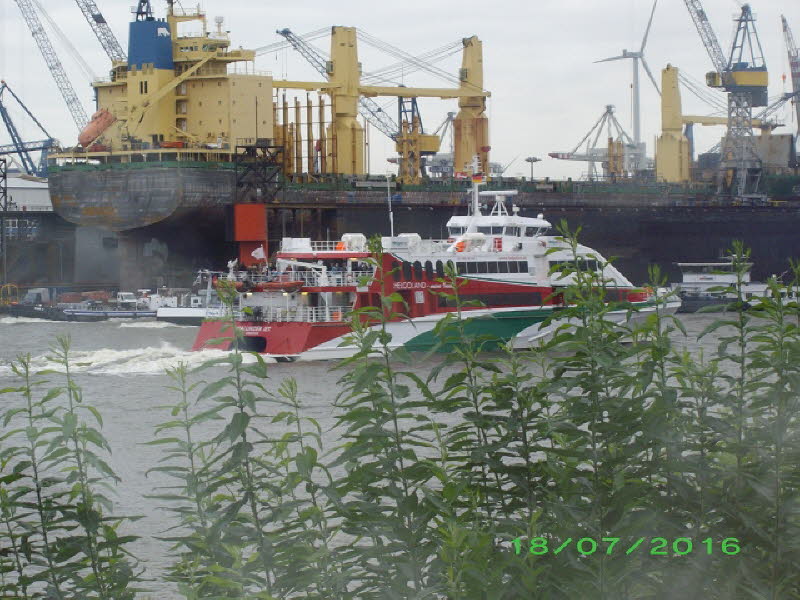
(522, 327)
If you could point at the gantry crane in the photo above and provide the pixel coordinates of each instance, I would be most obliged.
(101, 29)
(53, 63)
(794, 63)
(675, 145)
(744, 76)
(367, 107)
(616, 158)
(20, 148)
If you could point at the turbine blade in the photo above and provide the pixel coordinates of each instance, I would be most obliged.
(650, 75)
(649, 24)
(620, 57)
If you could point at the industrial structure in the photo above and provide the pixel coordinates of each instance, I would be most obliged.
(53, 63)
(192, 156)
(743, 75)
(638, 156)
(23, 149)
(181, 133)
(616, 153)
(101, 29)
(345, 137)
(794, 65)
(675, 146)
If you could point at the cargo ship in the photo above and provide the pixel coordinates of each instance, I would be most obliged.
(508, 272)
(152, 194)
(163, 139)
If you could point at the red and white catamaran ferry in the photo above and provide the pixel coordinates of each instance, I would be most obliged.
(503, 260)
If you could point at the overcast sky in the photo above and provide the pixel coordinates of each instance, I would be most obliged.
(538, 60)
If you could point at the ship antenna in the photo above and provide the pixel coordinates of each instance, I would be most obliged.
(144, 12)
(477, 180)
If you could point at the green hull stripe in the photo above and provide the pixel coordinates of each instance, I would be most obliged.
(502, 327)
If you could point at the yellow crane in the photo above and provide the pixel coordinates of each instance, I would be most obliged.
(743, 75)
(345, 136)
(673, 153)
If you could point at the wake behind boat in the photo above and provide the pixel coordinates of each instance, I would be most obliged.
(502, 260)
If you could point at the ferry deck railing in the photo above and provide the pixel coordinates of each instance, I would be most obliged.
(296, 314)
(492, 243)
(314, 278)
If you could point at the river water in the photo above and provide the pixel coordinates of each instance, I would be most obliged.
(121, 371)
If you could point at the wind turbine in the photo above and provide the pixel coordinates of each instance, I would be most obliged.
(638, 57)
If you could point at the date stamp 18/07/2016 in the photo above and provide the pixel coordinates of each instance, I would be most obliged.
(656, 546)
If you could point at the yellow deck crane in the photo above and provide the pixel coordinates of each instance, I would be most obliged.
(345, 137)
(674, 146)
(743, 74)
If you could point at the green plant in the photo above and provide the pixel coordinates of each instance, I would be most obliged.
(57, 515)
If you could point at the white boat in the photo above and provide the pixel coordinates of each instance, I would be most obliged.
(191, 308)
(700, 280)
(506, 273)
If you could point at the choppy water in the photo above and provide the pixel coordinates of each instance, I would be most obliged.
(120, 366)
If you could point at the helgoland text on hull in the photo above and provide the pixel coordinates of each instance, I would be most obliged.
(502, 260)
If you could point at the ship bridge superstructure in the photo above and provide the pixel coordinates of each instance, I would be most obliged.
(180, 88)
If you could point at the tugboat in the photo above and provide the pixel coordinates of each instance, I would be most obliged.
(502, 260)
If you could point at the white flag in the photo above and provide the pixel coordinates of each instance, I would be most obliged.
(259, 253)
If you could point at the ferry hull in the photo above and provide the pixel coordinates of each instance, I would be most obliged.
(522, 327)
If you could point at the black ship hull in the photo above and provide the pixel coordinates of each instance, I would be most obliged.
(135, 195)
(164, 223)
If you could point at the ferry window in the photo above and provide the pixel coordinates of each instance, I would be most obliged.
(513, 299)
(451, 266)
(462, 267)
(502, 267)
(530, 231)
(513, 267)
(429, 269)
(523, 266)
(439, 269)
(471, 267)
(417, 270)
(497, 231)
(396, 269)
(406, 270)
(514, 231)
(485, 230)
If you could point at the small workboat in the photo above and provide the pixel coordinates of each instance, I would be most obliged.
(703, 283)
